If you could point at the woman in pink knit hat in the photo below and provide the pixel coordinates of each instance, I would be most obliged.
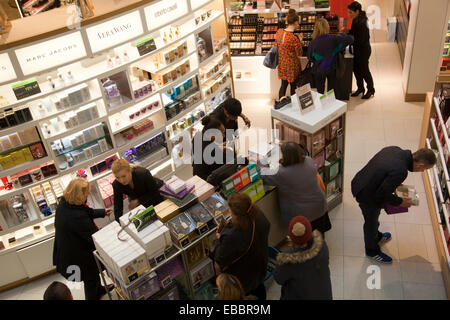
(303, 271)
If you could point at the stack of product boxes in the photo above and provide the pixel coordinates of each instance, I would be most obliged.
(125, 257)
(106, 190)
(246, 181)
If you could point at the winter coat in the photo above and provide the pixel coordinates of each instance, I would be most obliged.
(74, 227)
(360, 31)
(251, 268)
(375, 184)
(304, 273)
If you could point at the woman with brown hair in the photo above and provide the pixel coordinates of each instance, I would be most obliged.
(289, 53)
(298, 188)
(241, 248)
(137, 183)
(230, 288)
(74, 227)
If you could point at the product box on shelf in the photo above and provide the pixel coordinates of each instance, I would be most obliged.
(218, 207)
(205, 292)
(259, 186)
(202, 217)
(318, 141)
(182, 228)
(228, 187)
(125, 256)
(166, 210)
(203, 190)
(195, 254)
(146, 287)
(251, 192)
(332, 169)
(169, 271)
(202, 273)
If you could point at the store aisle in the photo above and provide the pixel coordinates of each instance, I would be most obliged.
(371, 125)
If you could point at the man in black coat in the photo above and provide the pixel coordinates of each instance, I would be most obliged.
(375, 184)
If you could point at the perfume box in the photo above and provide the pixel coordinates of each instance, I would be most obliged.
(169, 294)
(147, 287)
(202, 273)
(332, 169)
(244, 176)
(182, 228)
(253, 172)
(228, 187)
(100, 130)
(259, 186)
(407, 191)
(333, 128)
(195, 254)
(203, 190)
(203, 218)
(251, 192)
(166, 210)
(170, 270)
(217, 206)
(319, 159)
(318, 141)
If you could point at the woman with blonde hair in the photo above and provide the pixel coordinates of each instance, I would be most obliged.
(241, 248)
(230, 288)
(73, 247)
(322, 52)
(137, 183)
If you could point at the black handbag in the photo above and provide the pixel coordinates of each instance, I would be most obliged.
(306, 76)
(340, 65)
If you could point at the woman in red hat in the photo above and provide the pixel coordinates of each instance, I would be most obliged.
(303, 271)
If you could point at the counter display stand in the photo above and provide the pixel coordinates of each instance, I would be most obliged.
(434, 136)
(96, 100)
(322, 132)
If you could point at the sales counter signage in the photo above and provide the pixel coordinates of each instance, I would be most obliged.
(51, 53)
(7, 72)
(164, 12)
(195, 4)
(115, 31)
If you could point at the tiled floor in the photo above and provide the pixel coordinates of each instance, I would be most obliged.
(381, 121)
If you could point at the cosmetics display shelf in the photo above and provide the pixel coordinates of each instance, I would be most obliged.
(139, 139)
(18, 246)
(24, 166)
(132, 123)
(440, 150)
(88, 162)
(185, 130)
(184, 113)
(215, 74)
(219, 91)
(300, 10)
(142, 65)
(441, 121)
(79, 128)
(82, 75)
(216, 54)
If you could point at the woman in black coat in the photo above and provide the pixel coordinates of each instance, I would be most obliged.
(73, 248)
(361, 50)
(137, 183)
(242, 245)
(209, 143)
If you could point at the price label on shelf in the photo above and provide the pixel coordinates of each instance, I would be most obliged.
(328, 99)
(146, 46)
(26, 88)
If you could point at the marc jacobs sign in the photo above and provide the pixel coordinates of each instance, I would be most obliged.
(115, 31)
(7, 72)
(164, 12)
(51, 53)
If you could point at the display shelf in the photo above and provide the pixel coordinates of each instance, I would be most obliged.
(179, 134)
(88, 162)
(36, 239)
(441, 121)
(158, 163)
(441, 152)
(215, 55)
(215, 74)
(25, 166)
(79, 128)
(19, 147)
(144, 161)
(435, 200)
(208, 98)
(20, 127)
(82, 75)
(309, 9)
(139, 139)
(142, 65)
(84, 145)
(132, 123)
(4, 194)
(183, 113)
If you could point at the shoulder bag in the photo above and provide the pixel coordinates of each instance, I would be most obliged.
(271, 58)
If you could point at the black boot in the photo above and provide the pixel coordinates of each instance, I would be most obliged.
(368, 94)
(357, 92)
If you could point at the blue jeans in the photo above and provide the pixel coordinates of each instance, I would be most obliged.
(372, 236)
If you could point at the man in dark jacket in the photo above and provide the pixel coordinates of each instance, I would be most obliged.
(375, 184)
(303, 272)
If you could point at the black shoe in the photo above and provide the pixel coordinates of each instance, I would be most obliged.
(368, 94)
(357, 93)
(283, 101)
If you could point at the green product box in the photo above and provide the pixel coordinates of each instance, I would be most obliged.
(144, 218)
(259, 186)
(253, 172)
(228, 187)
(251, 192)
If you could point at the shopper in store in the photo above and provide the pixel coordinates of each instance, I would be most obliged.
(73, 247)
(322, 51)
(228, 113)
(361, 50)
(303, 271)
(289, 53)
(299, 191)
(209, 150)
(230, 288)
(137, 183)
(374, 187)
(57, 291)
(241, 248)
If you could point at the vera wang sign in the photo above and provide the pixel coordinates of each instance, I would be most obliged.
(7, 72)
(113, 32)
(52, 53)
(164, 12)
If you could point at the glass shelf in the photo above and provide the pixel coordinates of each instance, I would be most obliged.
(87, 144)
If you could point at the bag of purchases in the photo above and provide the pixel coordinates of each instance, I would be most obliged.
(271, 58)
(306, 76)
(340, 65)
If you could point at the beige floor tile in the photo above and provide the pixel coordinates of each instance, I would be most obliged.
(431, 244)
(420, 291)
(337, 286)
(355, 279)
(335, 238)
(337, 266)
(337, 213)
(411, 242)
(419, 272)
(354, 247)
(353, 228)
(391, 282)
(12, 294)
(416, 214)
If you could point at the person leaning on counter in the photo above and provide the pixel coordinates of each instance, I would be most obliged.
(228, 113)
(137, 183)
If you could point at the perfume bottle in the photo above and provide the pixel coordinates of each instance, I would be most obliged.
(69, 159)
(126, 58)
(55, 124)
(47, 129)
(41, 110)
(171, 34)
(165, 38)
(51, 83)
(177, 31)
(61, 80)
(70, 76)
(118, 61)
(110, 63)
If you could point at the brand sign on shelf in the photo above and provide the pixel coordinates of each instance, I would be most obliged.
(51, 53)
(164, 12)
(26, 88)
(195, 4)
(146, 46)
(6, 68)
(115, 31)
